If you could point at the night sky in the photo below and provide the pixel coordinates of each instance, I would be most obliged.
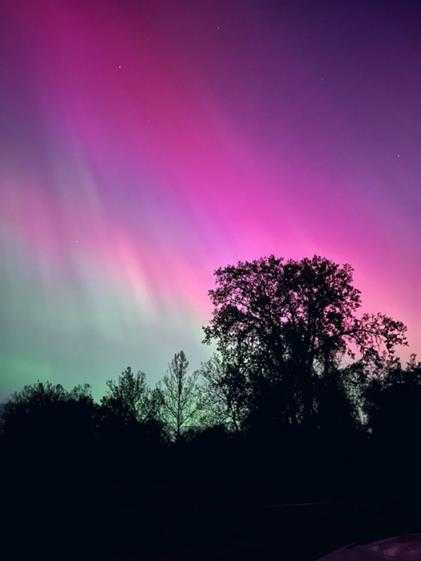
(143, 144)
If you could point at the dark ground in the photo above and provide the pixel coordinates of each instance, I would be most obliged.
(276, 532)
(48, 519)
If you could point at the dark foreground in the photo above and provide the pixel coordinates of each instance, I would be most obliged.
(201, 501)
(192, 529)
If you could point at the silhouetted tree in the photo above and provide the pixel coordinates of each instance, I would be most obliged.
(181, 396)
(393, 403)
(50, 460)
(289, 323)
(43, 413)
(129, 398)
(337, 413)
(224, 393)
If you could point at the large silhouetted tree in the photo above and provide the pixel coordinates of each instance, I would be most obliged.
(286, 324)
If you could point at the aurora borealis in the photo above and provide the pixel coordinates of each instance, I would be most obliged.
(143, 144)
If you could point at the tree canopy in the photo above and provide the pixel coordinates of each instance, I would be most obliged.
(283, 324)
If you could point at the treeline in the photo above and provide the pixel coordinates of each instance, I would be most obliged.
(185, 405)
(305, 399)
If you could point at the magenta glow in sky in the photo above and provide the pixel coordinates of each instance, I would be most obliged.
(143, 144)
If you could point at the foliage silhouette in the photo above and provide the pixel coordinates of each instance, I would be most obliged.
(289, 324)
(392, 402)
(129, 398)
(180, 396)
(225, 392)
(45, 413)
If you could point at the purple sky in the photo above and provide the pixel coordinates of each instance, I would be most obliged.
(143, 144)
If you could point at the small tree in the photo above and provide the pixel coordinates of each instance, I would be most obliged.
(181, 396)
(130, 398)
